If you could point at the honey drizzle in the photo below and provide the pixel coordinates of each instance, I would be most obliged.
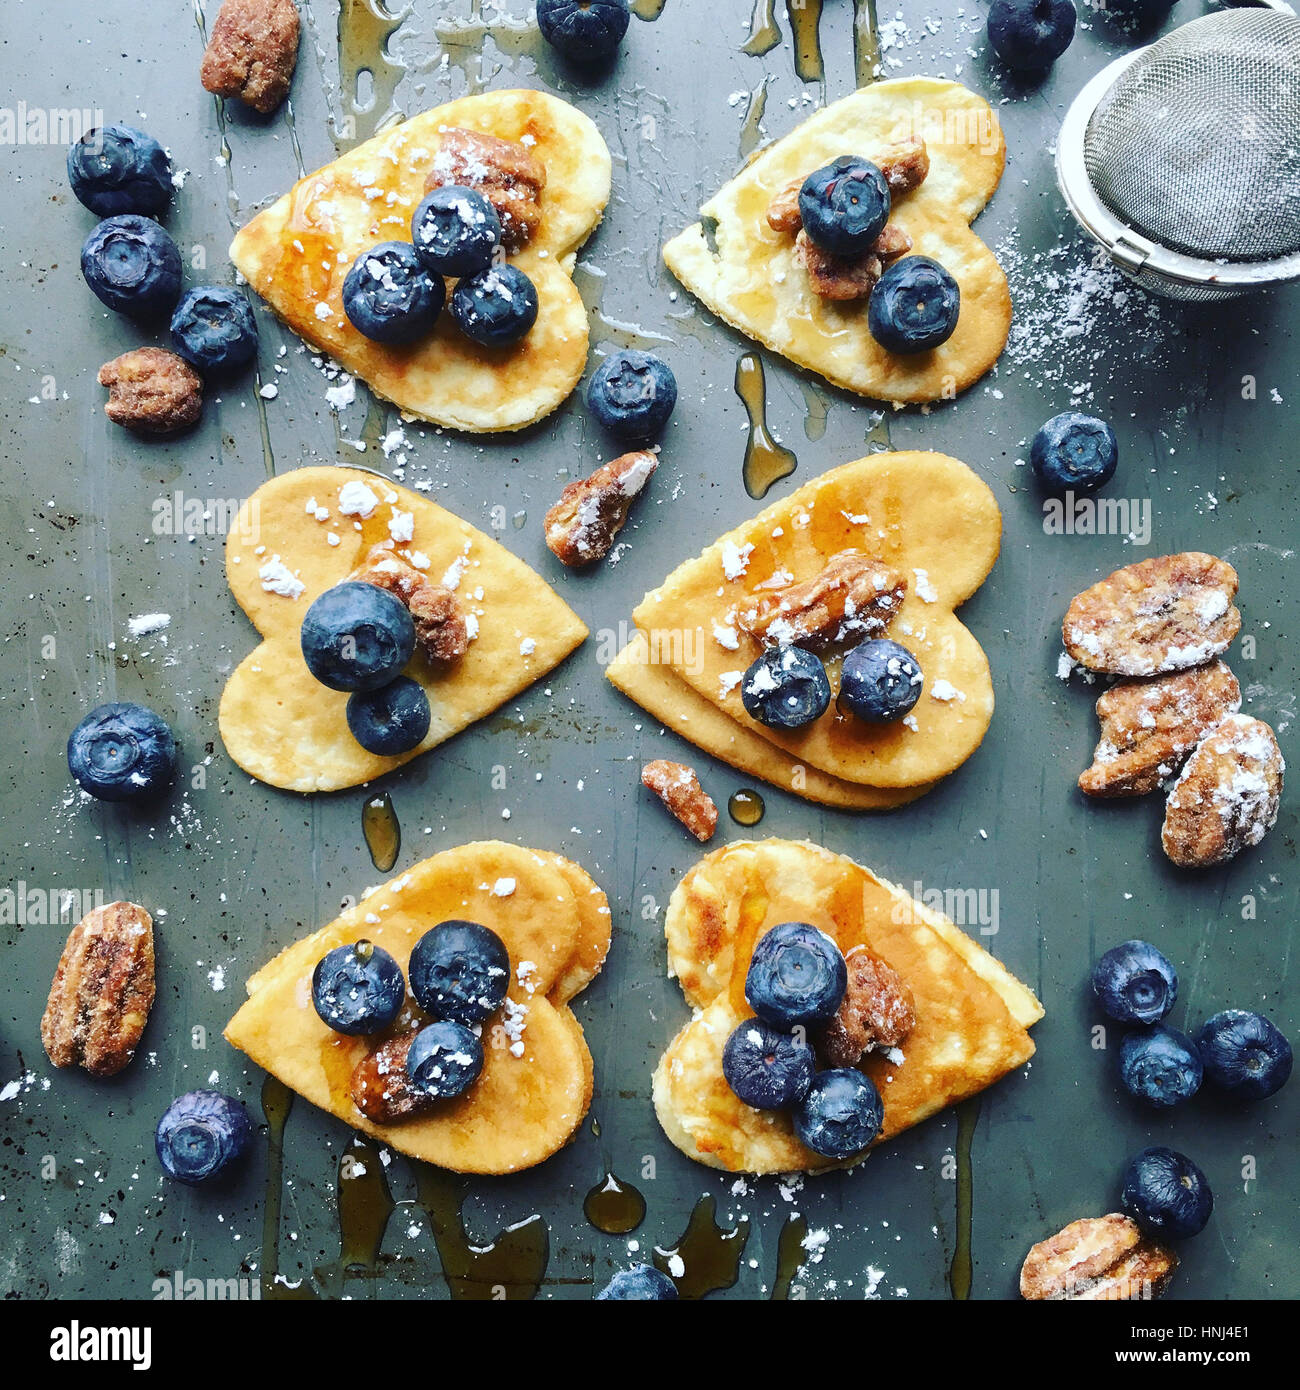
(751, 134)
(365, 26)
(961, 1271)
(805, 29)
(789, 1256)
(866, 42)
(766, 460)
(277, 1102)
(382, 832)
(710, 1256)
(614, 1206)
(763, 32)
(746, 807)
(364, 1204)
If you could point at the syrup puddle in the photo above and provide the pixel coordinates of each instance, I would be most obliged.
(368, 76)
(763, 33)
(746, 807)
(866, 42)
(706, 1258)
(961, 1271)
(805, 28)
(751, 134)
(816, 407)
(789, 1256)
(364, 1203)
(649, 10)
(382, 832)
(766, 460)
(277, 1102)
(614, 1206)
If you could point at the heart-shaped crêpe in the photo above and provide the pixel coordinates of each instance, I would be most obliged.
(298, 252)
(522, 1109)
(749, 276)
(972, 1015)
(926, 515)
(277, 721)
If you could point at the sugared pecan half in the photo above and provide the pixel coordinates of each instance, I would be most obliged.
(837, 277)
(581, 526)
(854, 597)
(252, 52)
(506, 172)
(440, 628)
(1164, 614)
(102, 992)
(1228, 795)
(1099, 1258)
(152, 391)
(1148, 727)
(380, 1086)
(904, 165)
(877, 1011)
(677, 786)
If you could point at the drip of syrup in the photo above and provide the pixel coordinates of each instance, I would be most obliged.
(961, 1271)
(763, 33)
(649, 10)
(805, 26)
(510, 1268)
(751, 134)
(277, 1102)
(382, 832)
(766, 461)
(710, 1256)
(746, 807)
(368, 76)
(816, 408)
(789, 1256)
(365, 1204)
(614, 1207)
(866, 42)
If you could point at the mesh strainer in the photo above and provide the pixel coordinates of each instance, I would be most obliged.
(1183, 159)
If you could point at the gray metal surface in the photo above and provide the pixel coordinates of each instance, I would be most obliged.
(1204, 402)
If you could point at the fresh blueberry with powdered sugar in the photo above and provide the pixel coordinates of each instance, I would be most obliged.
(768, 1068)
(1030, 35)
(118, 169)
(1135, 983)
(122, 752)
(201, 1134)
(133, 266)
(357, 636)
(391, 720)
(786, 688)
(456, 231)
(390, 297)
(1074, 451)
(796, 977)
(880, 681)
(460, 971)
(640, 1284)
(444, 1060)
(495, 308)
(841, 1114)
(358, 988)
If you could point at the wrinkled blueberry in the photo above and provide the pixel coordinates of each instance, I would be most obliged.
(1074, 451)
(845, 205)
(122, 752)
(388, 295)
(1134, 983)
(213, 329)
(641, 1283)
(444, 1060)
(496, 308)
(587, 31)
(1031, 35)
(357, 988)
(391, 720)
(1244, 1054)
(1160, 1066)
(456, 231)
(632, 394)
(1166, 1194)
(133, 266)
(357, 636)
(797, 976)
(841, 1114)
(120, 169)
(786, 688)
(915, 306)
(460, 971)
(768, 1068)
(880, 681)
(201, 1134)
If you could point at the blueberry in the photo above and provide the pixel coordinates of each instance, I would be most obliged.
(1031, 34)
(460, 971)
(1166, 1194)
(496, 308)
(632, 394)
(388, 295)
(444, 1060)
(356, 636)
(456, 231)
(641, 1283)
(201, 1134)
(841, 1114)
(786, 688)
(1134, 983)
(1074, 451)
(122, 752)
(391, 720)
(133, 266)
(358, 988)
(213, 329)
(1160, 1066)
(845, 205)
(914, 307)
(797, 976)
(768, 1068)
(1244, 1054)
(880, 681)
(119, 169)
(588, 31)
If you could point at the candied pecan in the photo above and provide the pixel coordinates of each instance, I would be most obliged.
(152, 391)
(677, 786)
(877, 1011)
(1227, 796)
(892, 243)
(1096, 1259)
(380, 1087)
(855, 596)
(783, 213)
(905, 164)
(837, 277)
(1148, 727)
(440, 628)
(102, 992)
(581, 526)
(506, 172)
(1162, 614)
(252, 52)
